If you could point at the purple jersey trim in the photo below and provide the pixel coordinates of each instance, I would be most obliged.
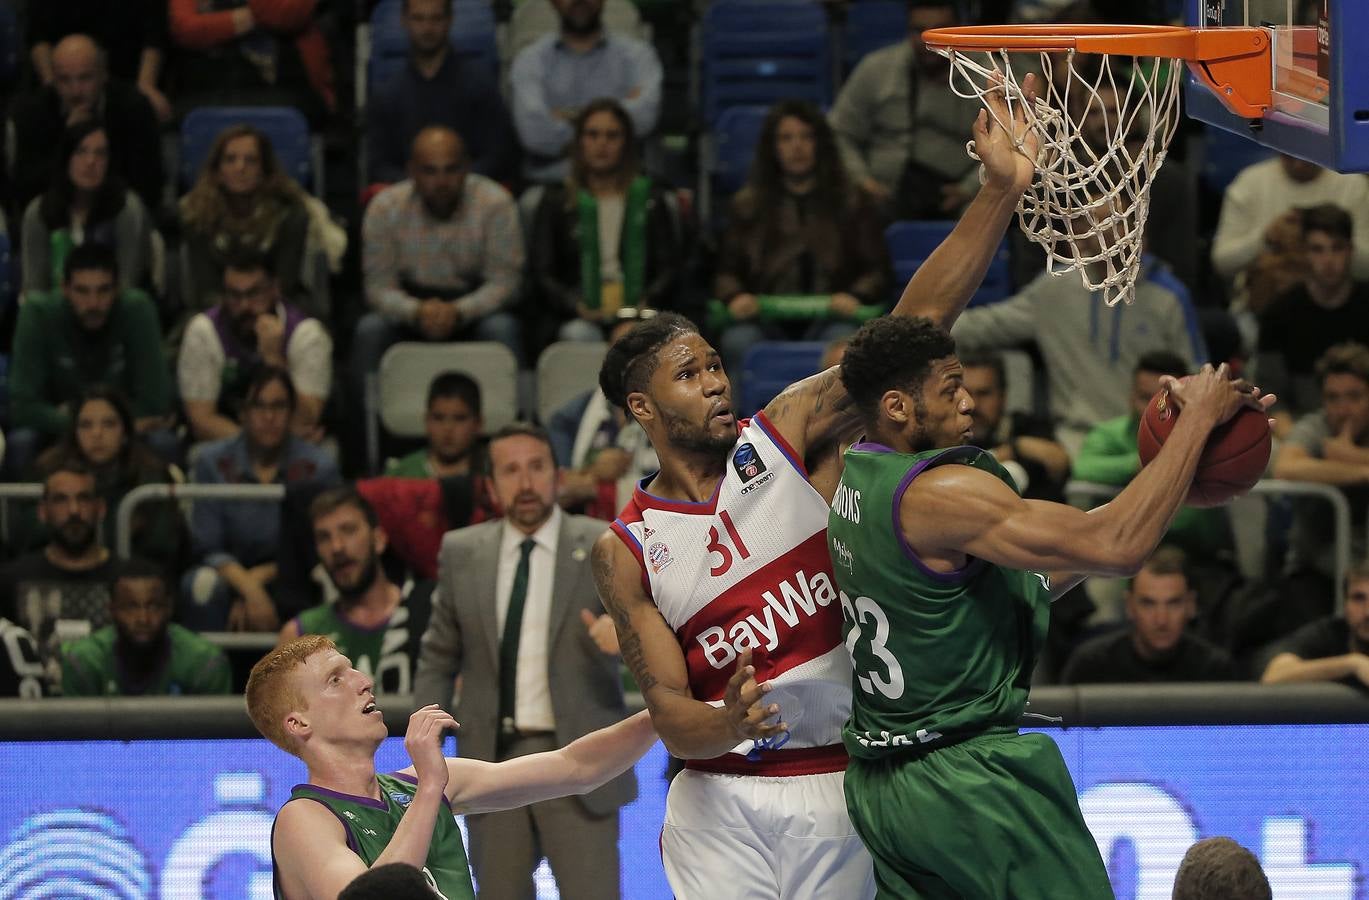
(413, 779)
(950, 454)
(338, 795)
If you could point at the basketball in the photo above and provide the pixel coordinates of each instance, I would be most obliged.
(1234, 458)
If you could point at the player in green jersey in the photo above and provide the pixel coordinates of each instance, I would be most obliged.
(307, 699)
(945, 612)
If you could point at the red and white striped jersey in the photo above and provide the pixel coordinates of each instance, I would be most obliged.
(750, 568)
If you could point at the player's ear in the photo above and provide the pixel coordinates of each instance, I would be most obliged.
(895, 406)
(297, 725)
(379, 540)
(640, 407)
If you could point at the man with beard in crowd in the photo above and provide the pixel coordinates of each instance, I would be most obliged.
(61, 592)
(142, 653)
(251, 326)
(88, 332)
(558, 75)
(374, 622)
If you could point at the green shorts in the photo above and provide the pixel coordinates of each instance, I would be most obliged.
(990, 818)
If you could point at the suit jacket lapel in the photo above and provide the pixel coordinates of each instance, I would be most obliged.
(565, 585)
(484, 575)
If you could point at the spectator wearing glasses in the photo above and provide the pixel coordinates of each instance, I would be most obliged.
(236, 541)
(252, 325)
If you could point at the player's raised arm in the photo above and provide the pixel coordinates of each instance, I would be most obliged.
(690, 728)
(577, 768)
(957, 510)
(942, 285)
(311, 847)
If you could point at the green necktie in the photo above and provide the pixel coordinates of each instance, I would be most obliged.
(508, 647)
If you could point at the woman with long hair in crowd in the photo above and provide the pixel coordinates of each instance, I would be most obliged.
(86, 202)
(799, 227)
(103, 437)
(242, 200)
(605, 241)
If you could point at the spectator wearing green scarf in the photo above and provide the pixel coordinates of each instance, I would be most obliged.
(605, 240)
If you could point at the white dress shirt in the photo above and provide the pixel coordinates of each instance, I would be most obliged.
(532, 700)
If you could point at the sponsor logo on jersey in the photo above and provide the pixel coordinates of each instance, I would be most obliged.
(1044, 578)
(658, 555)
(647, 531)
(762, 482)
(789, 603)
(747, 462)
(349, 814)
(841, 555)
(400, 797)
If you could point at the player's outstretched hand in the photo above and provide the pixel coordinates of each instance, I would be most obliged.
(746, 713)
(1214, 390)
(423, 743)
(1005, 166)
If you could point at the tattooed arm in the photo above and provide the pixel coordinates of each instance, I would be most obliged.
(690, 729)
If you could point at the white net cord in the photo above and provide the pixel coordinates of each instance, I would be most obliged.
(1102, 136)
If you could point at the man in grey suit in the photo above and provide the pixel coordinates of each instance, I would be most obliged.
(516, 614)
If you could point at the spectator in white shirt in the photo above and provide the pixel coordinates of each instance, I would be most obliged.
(250, 327)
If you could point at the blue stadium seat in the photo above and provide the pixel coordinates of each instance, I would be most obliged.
(285, 126)
(472, 34)
(771, 366)
(757, 52)
(734, 141)
(872, 25)
(911, 242)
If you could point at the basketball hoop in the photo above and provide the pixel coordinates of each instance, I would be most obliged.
(1107, 105)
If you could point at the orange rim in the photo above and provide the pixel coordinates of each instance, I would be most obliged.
(1234, 63)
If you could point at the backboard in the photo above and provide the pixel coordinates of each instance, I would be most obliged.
(1320, 78)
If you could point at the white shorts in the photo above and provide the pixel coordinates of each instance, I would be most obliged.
(747, 837)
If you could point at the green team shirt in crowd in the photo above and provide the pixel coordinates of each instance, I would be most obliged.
(92, 667)
(936, 656)
(388, 653)
(371, 823)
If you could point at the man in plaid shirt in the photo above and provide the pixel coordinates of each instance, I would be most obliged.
(442, 254)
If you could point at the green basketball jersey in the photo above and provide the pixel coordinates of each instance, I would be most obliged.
(936, 656)
(92, 667)
(371, 823)
(389, 653)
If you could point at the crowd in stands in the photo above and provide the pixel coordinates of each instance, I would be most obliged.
(170, 325)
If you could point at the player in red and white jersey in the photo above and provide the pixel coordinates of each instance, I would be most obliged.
(719, 579)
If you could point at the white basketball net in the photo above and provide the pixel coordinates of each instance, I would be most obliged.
(1102, 137)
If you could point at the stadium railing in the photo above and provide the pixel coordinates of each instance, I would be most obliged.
(123, 517)
(1091, 706)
